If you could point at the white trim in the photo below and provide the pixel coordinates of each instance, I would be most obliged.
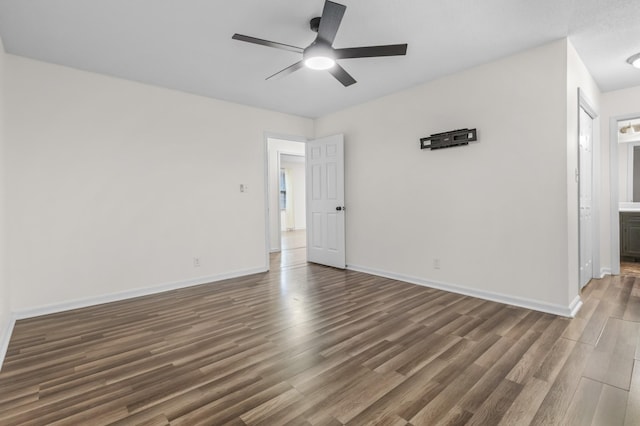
(596, 193)
(604, 272)
(630, 169)
(285, 137)
(267, 225)
(574, 307)
(272, 193)
(5, 337)
(129, 294)
(565, 311)
(614, 220)
(585, 103)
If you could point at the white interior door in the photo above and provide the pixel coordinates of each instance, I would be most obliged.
(586, 184)
(325, 201)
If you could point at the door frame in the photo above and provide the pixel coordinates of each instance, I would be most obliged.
(583, 173)
(266, 189)
(614, 199)
(585, 104)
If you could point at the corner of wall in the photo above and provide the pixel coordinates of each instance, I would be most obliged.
(5, 337)
(581, 89)
(435, 220)
(6, 321)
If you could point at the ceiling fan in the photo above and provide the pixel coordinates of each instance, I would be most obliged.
(321, 55)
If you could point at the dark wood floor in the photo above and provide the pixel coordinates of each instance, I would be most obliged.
(304, 344)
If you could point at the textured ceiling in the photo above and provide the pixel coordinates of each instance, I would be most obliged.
(186, 44)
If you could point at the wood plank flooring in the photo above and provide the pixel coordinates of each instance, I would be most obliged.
(293, 239)
(304, 344)
(630, 268)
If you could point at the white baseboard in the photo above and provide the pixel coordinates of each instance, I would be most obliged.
(604, 271)
(565, 311)
(129, 294)
(575, 306)
(5, 337)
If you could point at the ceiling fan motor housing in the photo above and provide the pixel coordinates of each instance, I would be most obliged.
(314, 24)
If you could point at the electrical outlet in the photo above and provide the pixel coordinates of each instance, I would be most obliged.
(436, 263)
(196, 262)
(244, 187)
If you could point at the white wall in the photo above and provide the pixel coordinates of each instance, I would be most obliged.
(117, 186)
(274, 147)
(298, 200)
(614, 104)
(494, 212)
(5, 315)
(578, 77)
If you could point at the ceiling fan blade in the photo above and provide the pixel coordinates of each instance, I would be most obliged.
(371, 51)
(267, 43)
(341, 75)
(330, 21)
(288, 70)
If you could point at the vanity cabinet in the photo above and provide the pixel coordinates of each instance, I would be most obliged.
(630, 235)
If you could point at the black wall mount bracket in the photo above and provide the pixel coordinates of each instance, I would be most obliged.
(449, 139)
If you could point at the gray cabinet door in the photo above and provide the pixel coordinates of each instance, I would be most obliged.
(630, 234)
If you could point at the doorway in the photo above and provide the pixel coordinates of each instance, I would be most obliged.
(627, 142)
(322, 213)
(286, 204)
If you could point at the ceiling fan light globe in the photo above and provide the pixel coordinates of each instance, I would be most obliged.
(319, 62)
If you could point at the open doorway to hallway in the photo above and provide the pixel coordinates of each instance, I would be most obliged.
(287, 202)
(293, 232)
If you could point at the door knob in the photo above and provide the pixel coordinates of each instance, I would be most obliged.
(340, 208)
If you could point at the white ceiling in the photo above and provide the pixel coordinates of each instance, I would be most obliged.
(186, 44)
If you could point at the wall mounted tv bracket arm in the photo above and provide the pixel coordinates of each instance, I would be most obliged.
(449, 139)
